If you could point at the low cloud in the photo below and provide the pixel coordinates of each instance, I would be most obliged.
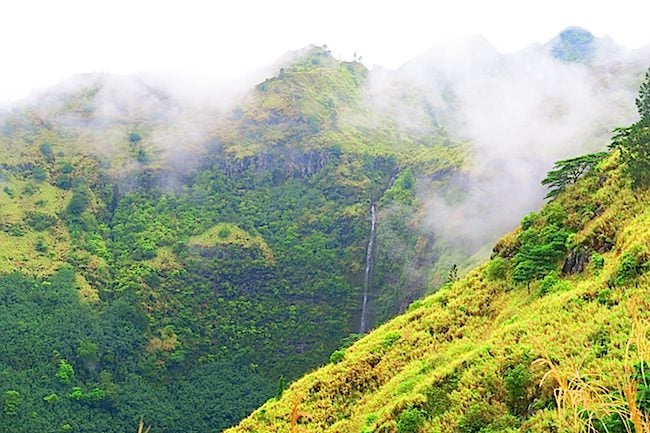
(519, 113)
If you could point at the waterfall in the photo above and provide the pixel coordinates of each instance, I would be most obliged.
(370, 257)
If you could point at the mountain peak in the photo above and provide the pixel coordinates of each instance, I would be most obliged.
(572, 32)
(573, 44)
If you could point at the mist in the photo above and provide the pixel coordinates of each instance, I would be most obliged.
(176, 115)
(518, 114)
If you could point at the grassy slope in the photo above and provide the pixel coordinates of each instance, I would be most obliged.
(20, 202)
(474, 356)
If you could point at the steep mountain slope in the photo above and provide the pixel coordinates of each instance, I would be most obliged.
(177, 261)
(551, 334)
(204, 253)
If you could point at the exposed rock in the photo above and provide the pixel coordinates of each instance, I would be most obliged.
(292, 162)
(576, 262)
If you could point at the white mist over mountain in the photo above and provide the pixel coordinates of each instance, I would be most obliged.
(518, 113)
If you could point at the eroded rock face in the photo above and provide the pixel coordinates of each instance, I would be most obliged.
(576, 261)
(292, 162)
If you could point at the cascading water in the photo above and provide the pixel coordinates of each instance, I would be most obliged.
(367, 283)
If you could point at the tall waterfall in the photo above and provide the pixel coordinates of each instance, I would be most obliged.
(370, 258)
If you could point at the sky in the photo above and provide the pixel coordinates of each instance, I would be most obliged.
(44, 41)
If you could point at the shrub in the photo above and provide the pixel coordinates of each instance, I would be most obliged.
(46, 151)
(337, 356)
(65, 373)
(64, 181)
(79, 202)
(552, 283)
(67, 168)
(40, 221)
(600, 341)
(134, 137)
(474, 419)
(11, 403)
(605, 298)
(39, 174)
(633, 263)
(410, 421)
(517, 383)
(597, 261)
(95, 395)
(41, 246)
(29, 189)
(390, 339)
(497, 269)
(51, 398)
(224, 232)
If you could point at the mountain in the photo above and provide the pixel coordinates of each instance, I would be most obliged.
(519, 112)
(573, 44)
(179, 258)
(550, 334)
(175, 261)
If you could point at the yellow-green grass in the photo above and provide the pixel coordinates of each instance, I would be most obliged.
(22, 248)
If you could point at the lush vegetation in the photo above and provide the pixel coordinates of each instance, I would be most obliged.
(551, 334)
(136, 287)
(185, 271)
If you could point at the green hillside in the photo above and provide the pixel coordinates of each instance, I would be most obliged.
(550, 335)
(181, 263)
(160, 262)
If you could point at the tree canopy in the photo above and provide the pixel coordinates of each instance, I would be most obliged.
(568, 171)
(633, 142)
(643, 100)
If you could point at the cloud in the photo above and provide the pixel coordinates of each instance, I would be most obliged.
(518, 112)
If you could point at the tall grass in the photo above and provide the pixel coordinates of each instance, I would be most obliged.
(581, 401)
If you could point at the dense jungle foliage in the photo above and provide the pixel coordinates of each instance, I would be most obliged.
(132, 287)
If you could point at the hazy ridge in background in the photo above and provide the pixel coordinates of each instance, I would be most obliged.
(518, 113)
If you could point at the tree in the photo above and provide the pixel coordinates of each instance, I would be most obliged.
(134, 137)
(567, 172)
(633, 142)
(453, 274)
(88, 353)
(282, 384)
(543, 244)
(643, 100)
(65, 373)
(46, 150)
(11, 402)
(79, 202)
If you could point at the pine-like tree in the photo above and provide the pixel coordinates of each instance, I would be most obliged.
(633, 142)
(643, 100)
